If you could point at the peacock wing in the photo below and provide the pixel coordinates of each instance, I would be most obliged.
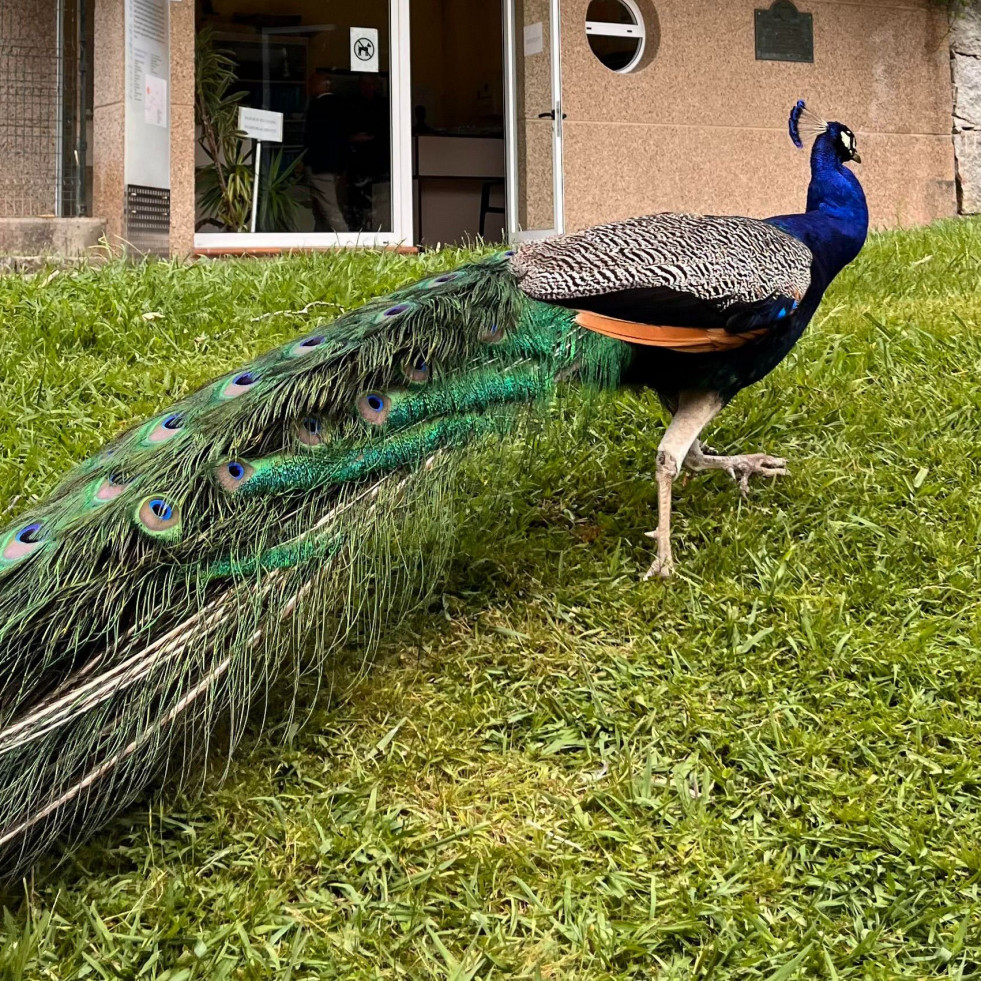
(677, 270)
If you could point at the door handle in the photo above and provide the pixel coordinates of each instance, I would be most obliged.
(549, 115)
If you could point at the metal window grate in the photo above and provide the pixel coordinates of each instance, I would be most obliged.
(148, 218)
(45, 100)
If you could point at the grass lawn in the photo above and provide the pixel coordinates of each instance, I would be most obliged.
(767, 768)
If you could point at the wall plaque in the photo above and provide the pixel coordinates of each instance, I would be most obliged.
(783, 33)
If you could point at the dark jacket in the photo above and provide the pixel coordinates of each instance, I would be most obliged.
(325, 134)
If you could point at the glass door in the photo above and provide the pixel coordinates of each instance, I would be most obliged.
(533, 82)
(320, 100)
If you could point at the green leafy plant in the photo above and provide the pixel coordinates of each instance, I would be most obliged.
(277, 206)
(225, 184)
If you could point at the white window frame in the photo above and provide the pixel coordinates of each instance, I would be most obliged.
(402, 230)
(638, 29)
(511, 123)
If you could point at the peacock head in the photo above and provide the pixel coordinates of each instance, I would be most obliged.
(813, 126)
(844, 142)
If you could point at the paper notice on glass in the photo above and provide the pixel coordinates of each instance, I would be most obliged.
(147, 64)
(364, 49)
(534, 40)
(155, 101)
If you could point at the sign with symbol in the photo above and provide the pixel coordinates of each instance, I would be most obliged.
(364, 49)
(260, 124)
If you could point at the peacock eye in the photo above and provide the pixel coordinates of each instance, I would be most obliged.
(167, 428)
(32, 534)
(396, 310)
(308, 344)
(374, 408)
(158, 514)
(110, 488)
(493, 334)
(233, 473)
(416, 370)
(309, 431)
(24, 541)
(238, 385)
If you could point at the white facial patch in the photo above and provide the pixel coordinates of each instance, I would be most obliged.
(847, 140)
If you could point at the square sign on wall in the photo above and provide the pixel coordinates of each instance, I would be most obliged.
(364, 49)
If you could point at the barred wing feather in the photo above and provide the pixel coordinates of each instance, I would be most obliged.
(689, 270)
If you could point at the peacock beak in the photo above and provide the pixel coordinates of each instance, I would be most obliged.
(856, 157)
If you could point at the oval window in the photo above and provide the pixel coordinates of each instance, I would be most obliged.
(616, 33)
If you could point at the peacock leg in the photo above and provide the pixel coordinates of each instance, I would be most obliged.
(695, 411)
(740, 467)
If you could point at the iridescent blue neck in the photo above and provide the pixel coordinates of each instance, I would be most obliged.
(836, 222)
(834, 189)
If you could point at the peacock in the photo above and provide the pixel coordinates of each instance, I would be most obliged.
(153, 598)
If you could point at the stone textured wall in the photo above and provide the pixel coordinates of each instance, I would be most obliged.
(35, 237)
(965, 71)
(182, 134)
(109, 117)
(703, 127)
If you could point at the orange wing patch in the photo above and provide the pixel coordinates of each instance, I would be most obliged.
(690, 340)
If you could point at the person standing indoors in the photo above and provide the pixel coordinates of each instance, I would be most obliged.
(325, 139)
(371, 161)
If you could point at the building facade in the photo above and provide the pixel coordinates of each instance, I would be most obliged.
(413, 122)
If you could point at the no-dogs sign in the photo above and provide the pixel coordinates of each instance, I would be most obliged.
(364, 49)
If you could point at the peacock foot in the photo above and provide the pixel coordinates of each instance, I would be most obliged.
(663, 566)
(740, 466)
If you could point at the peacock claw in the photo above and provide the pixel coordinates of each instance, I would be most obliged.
(660, 568)
(740, 467)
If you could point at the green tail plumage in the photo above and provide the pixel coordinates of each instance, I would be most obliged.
(279, 509)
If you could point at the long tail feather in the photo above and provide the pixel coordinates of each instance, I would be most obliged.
(269, 517)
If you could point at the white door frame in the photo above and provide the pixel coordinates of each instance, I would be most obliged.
(513, 175)
(400, 79)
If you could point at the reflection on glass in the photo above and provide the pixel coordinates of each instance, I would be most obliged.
(347, 152)
(332, 171)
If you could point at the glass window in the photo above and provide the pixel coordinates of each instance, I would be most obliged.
(616, 33)
(323, 67)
